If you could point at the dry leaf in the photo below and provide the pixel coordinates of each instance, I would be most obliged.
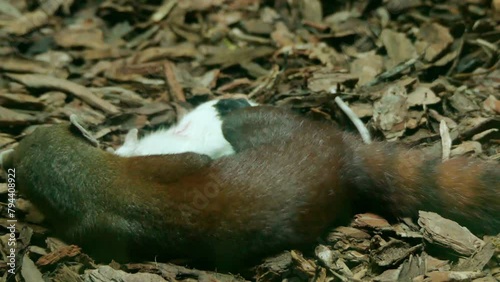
(448, 233)
(422, 96)
(433, 40)
(398, 46)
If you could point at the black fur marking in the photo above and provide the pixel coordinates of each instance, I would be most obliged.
(226, 106)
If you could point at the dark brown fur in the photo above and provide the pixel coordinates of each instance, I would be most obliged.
(291, 180)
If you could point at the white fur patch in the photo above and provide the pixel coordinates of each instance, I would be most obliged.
(200, 131)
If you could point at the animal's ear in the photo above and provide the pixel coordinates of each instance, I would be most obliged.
(131, 137)
(254, 126)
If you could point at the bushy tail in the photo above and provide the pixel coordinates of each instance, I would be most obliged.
(398, 182)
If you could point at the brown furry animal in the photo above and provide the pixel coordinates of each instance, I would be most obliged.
(290, 181)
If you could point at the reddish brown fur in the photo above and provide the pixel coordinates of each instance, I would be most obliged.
(457, 176)
(290, 181)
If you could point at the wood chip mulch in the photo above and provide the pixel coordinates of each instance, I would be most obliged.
(414, 71)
